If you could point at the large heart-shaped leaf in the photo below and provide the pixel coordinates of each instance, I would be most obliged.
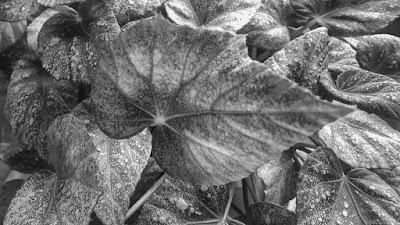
(303, 59)
(363, 140)
(217, 115)
(229, 15)
(69, 41)
(371, 92)
(34, 100)
(343, 17)
(327, 196)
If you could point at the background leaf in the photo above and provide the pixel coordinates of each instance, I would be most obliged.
(11, 32)
(15, 10)
(363, 140)
(204, 97)
(326, 196)
(265, 213)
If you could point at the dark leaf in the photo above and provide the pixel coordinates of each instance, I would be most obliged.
(7, 193)
(265, 213)
(11, 32)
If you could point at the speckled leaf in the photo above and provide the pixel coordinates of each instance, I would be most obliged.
(216, 114)
(303, 59)
(46, 199)
(343, 17)
(267, 29)
(11, 32)
(130, 10)
(265, 213)
(7, 193)
(380, 53)
(279, 177)
(15, 10)
(34, 100)
(326, 195)
(363, 140)
(372, 92)
(69, 41)
(177, 202)
(391, 177)
(229, 15)
(341, 56)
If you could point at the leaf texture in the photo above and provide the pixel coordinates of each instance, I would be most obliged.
(341, 56)
(363, 140)
(215, 114)
(265, 213)
(15, 10)
(326, 195)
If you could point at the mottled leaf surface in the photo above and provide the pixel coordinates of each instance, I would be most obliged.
(363, 140)
(34, 100)
(372, 92)
(343, 17)
(265, 213)
(390, 176)
(326, 195)
(15, 10)
(216, 114)
(341, 56)
(229, 15)
(78, 145)
(279, 177)
(69, 41)
(11, 32)
(7, 193)
(267, 29)
(380, 53)
(177, 202)
(303, 59)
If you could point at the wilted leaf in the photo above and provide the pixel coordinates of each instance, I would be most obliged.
(279, 177)
(363, 140)
(380, 53)
(11, 32)
(177, 202)
(69, 41)
(230, 15)
(265, 213)
(343, 17)
(34, 100)
(372, 92)
(303, 59)
(216, 114)
(7, 193)
(341, 56)
(327, 196)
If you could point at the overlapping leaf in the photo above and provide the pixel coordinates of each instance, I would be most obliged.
(217, 115)
(264, 213)
(327, 196)
(69, 41)
(363, 140)
(341, 56)
(229, 15)
(303, 59)
(371, 92)
(34, 100)
(343, 17)
(7, 192)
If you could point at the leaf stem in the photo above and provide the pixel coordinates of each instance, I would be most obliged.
(300, 31)
(298, 160)
(316, 140)
(253, 53)
(228, 204)
(146, 196)
(237, 209)
(245, 194)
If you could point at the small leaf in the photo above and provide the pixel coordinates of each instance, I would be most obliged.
(7, 193)
(372, 92)
(230, 15)
(303, 59)
(279, 177)
(380, 53)
(327, 196)
(69, 41)
(11, 32)
(216, 115)
(265, 213)
(363, 140)
(34, 100)
(343, 17)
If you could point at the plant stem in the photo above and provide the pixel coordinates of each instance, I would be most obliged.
(245, 194)
(317, 141)
(300, 31)
(253, 53)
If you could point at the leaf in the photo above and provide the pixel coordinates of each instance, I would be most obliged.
(117, 164)
(372, 92)
(53, 3)
(279, 177)
(327, 196)
(69, 41)
(268, 28)
(7, 193)
(11, 32)
(343, 17)
(303, 59)
(380, 53)
(216, 114)
(177, 202)
(15, 10)
(341, 56)
(230, 15)
(391, 177)
(265, 213)
(363, 140)
(131, 10)
(34, 100)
